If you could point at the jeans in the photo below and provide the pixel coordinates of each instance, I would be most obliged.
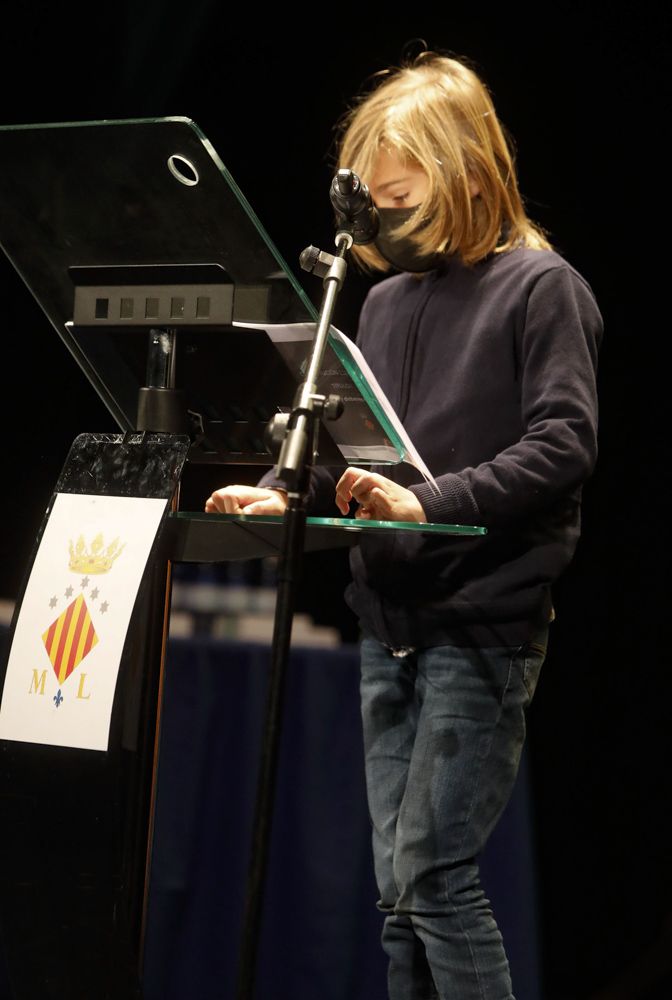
(443, 734)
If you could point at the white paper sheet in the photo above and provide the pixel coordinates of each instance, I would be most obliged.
(71, 628)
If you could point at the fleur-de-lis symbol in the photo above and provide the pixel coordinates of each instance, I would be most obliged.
(58, 698)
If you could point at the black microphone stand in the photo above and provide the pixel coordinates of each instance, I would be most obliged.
(298, 431)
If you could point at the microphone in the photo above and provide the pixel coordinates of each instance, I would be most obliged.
(355, 211)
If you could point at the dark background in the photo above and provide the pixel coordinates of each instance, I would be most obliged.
(586, 97)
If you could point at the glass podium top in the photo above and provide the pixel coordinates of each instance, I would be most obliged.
(340, 523)
(130, 230)
(201, 537)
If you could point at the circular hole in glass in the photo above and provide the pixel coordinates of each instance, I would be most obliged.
(183, 170)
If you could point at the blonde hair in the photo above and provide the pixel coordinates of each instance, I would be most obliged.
(438, 114)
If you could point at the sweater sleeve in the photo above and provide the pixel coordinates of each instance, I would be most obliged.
(557, 349)
(321, 497)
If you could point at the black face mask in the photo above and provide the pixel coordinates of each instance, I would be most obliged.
(401, 252)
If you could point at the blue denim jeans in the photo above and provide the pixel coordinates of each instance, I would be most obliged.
(443, 735)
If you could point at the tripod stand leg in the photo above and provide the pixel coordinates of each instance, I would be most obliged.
(292, 549)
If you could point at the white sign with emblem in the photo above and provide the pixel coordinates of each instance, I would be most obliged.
(72, 624)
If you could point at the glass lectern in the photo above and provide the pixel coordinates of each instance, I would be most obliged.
(163, 285)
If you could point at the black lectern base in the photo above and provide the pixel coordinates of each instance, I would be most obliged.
(76, 822)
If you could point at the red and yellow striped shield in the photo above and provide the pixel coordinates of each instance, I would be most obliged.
(70, 638)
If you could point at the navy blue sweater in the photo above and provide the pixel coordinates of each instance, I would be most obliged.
(492, 371)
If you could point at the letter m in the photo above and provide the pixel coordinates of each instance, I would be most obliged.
(38, 682)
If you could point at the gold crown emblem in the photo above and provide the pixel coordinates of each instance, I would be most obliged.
(97, 558)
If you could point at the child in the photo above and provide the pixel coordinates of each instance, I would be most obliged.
(486, 345)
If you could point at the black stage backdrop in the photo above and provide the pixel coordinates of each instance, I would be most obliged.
(586, 96)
